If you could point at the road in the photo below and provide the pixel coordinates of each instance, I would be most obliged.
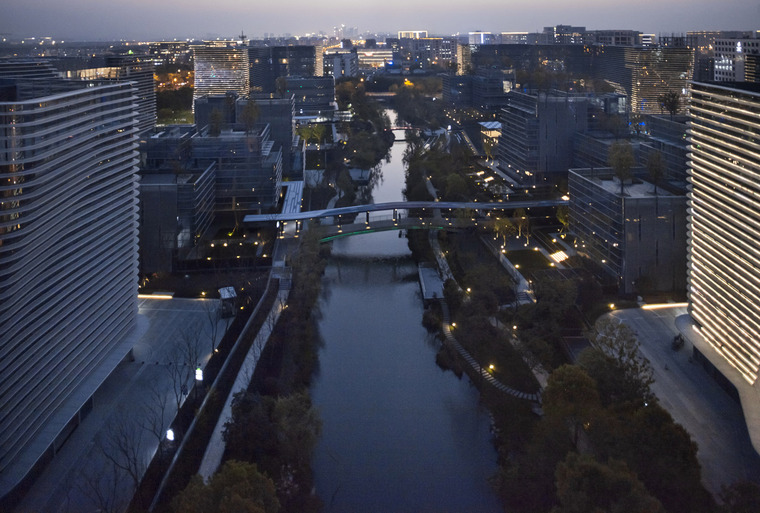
(131, 395)
(714, 419)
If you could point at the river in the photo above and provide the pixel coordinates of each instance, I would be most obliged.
(399, 434)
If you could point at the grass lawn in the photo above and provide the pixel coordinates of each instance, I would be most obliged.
(528, 260)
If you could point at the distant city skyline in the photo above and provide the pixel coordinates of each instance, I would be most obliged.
(88, 20)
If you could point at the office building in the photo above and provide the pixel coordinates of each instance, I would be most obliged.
(539, 130)
(645, 73)
(68, 247)
(127, 68)
(668, 137)
(28, 68)
(314, 96)
(736, 59)
(268, 63)
(724, 238)
(220, 69)
(412, 34)
(480, 38)
(638, 237)
(565, 35)
(341, 63)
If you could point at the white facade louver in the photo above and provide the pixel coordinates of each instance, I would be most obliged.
(724, 222)
(68, 256)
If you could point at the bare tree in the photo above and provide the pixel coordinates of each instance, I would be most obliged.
(183, 358)
(656, 168)
(211, 308)
(121, 443)
(101, 486)
(153, 415)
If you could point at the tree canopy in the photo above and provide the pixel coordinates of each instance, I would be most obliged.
(237, 488)
(621, 160)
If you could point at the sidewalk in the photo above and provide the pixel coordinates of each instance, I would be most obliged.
(212, 458)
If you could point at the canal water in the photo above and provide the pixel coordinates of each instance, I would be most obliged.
(399, 434)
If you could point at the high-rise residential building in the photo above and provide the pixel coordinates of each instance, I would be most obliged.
(68, 253)
(724, 238)
(220, 69)
(464, 59)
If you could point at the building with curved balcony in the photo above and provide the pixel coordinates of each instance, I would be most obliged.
(724, 238)
(68, 259)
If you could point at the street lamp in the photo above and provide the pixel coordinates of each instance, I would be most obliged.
(170, 434)
(198, 380)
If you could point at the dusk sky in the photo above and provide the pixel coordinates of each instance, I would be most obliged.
(165, 19)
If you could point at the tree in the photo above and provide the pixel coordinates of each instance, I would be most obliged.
(585, 485)
(571, 395)
(523, 223)
(456, 188)
(623, 373)
(212, 309)
(740, 497)
(281, 86)
(184, 357)
(237, 488)
(656, 168)
(505, 228)
(153, 415)
(215, 120)
(621, 160)
(563, 216)
(250, 115)
(121, 445)
(670, 101)
(298, 429)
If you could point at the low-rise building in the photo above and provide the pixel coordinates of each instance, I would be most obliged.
(637, 235)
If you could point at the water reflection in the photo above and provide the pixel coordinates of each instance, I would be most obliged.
(399, 434)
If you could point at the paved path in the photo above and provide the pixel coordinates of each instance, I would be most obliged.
(130, 394)
(445, 272)
(714, 420)
(212, 458)
(484, 373)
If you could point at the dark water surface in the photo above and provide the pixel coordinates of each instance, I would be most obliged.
(399, 434)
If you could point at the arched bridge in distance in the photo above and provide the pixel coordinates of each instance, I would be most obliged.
(355, 220)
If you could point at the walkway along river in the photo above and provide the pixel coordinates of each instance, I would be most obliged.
(399, 434)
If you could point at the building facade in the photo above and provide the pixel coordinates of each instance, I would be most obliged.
(220, 69)
(128, 68)
(724, 235)
(638, 237)
(736, 59)
(68, 248)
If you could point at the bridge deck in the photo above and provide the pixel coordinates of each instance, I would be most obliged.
(401, 205)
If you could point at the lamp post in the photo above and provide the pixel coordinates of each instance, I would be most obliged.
(198, 380)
